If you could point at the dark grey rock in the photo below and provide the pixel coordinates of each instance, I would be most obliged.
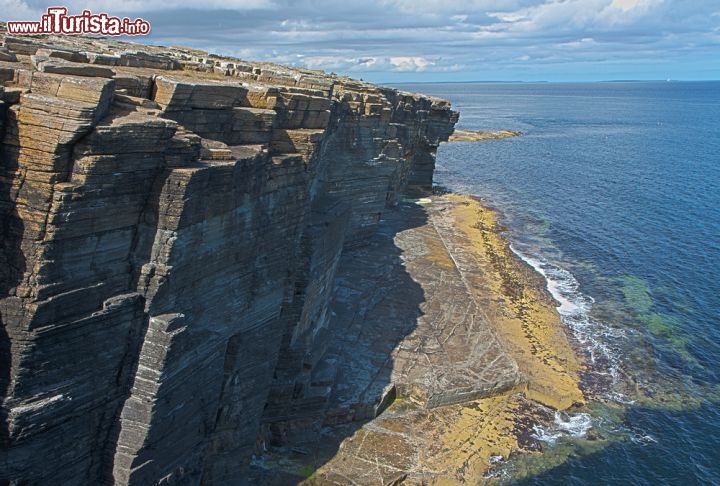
(7, 55)
(170, 251)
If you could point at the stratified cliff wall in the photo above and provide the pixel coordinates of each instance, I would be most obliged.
(171, 225)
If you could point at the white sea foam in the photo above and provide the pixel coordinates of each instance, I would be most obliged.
(562, 285)
(575, 425)
(564, 425)
(543, 434)
(643, 439)
(496, 459)
(596, 338)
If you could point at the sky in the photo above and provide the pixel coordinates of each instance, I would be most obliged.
(390, 41)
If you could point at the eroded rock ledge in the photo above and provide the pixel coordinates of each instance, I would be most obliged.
(480, 135)
(171, 227)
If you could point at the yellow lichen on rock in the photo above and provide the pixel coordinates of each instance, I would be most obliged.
(459, 443)
(524, 314)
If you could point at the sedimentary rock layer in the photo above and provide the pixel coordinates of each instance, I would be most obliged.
(171, 226)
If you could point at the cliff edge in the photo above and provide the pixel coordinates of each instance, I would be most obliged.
(171, 226)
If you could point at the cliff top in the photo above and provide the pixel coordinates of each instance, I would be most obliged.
(107, 57)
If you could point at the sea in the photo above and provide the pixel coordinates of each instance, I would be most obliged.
(612, 192)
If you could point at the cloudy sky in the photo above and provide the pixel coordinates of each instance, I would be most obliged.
(438, 40)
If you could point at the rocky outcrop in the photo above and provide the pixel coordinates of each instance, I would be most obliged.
(171, 228)
(480, 135)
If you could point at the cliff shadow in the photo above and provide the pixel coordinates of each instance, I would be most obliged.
(375, 306)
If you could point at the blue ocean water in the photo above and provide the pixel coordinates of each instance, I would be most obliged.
(613, 192)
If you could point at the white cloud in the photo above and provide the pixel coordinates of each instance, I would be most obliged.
(17, 10)
(626, 5)
(372, 64)
(404, 37)
(628, 11)
(451, 6)
(585, 42)
(330, 63)
(410, 63)
(31, 10)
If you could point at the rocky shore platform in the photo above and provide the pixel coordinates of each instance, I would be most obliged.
(465, 340)
(481, 135)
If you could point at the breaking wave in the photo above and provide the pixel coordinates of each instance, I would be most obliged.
(597, 340)
(564, 425)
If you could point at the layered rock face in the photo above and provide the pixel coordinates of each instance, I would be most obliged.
(171, 225)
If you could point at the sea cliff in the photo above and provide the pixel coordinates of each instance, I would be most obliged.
(217, 272)
(171, 227)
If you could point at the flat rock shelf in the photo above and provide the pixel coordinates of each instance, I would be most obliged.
(481, 135)
(459, 360)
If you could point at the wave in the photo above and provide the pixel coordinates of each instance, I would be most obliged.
(561, 284)
(564, 425)
(599, 342)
